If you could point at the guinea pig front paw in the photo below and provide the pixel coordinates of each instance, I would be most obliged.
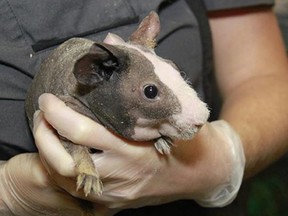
(90, 182)
(163, 145)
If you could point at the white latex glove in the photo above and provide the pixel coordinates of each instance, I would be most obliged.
(26, 189)
(208, 169)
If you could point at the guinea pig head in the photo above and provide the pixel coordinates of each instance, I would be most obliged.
(136, 93)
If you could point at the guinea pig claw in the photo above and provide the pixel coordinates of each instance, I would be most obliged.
(89, 183)
(163, 145)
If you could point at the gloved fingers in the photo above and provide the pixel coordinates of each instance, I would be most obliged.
(128, 163)
(60, 164)
(50, 147)
(25, 168)
(203, 169)
(72, 125)
(27, 190)
(125, 178)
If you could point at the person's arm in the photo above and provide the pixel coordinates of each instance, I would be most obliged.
(252, 73)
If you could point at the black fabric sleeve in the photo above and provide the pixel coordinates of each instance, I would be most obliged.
(230, 4)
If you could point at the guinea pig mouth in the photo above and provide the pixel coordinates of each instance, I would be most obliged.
(185, 133)
(164, 143)
(189, 134)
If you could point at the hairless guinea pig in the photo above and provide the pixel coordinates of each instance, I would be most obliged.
(123, 85)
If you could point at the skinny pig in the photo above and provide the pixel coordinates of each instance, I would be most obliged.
(123, 85)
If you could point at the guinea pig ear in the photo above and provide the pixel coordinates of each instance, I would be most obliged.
(147, 31)
(97, 65)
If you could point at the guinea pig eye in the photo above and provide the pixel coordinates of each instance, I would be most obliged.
(150, 91)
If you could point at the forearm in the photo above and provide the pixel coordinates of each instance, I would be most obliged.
(257, 110)
(252, 72)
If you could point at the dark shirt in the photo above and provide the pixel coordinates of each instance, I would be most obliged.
(29, 30)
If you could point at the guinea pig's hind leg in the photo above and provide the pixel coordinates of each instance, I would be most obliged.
(88, 177)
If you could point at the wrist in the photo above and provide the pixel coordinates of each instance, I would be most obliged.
(226, 191)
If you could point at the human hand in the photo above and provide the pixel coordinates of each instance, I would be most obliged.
(208, 169)
(26, 189)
